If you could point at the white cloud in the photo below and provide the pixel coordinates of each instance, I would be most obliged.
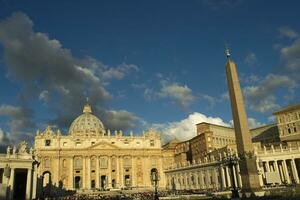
(181, 94)
(286, 31)
(291, 56)
(261, 97)
(251, 58)
(186, 128)
(119, 72)
(44, 96)
(253, 123)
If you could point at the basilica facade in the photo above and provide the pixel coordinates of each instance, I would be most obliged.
(91, 157)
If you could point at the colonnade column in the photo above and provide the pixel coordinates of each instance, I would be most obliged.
(196, 180)
(277, 169)
(238, 176)
(261, 173)
(228, 177)
(223, 177)
(286, 173)
(28, 183)
(34, 184)
(11, 183)
(294, 170)
(267, 166)
(216, 180)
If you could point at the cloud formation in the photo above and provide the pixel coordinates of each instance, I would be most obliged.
(181, 94)
(261, 97)
(286, 31)
(46, 69)
(186, 128)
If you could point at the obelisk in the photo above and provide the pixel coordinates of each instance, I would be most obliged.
(248, 167)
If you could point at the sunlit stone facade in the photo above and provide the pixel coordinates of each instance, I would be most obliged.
(91, 157)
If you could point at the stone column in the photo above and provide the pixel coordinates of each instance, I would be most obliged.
(281, 173)
(196, 178)
(286, 173)
(207, 178)
(203, 184)
(267, 166)
(276, 168)
(11, 183)
(97, 173)
(133, 172)
(294, 170)
(84, 173)
(238, 175)
(88, 173)
(34, 184)
(117, 171)
(223, 177)
(109, 172)
(235, 178)
(228, 177)
(216, 180)
(28, 183)
(121, 172)
(71, 178)
(261, 174)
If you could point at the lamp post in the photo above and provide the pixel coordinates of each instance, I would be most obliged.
(231, 161)
(155, 179)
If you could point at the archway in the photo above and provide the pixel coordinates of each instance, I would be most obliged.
(47, 183)
(152, 172)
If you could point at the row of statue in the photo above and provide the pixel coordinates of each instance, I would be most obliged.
(23, 149)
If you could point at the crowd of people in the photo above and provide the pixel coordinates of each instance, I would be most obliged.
(120, 195)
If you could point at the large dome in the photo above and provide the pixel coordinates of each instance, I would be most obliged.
(87, 124)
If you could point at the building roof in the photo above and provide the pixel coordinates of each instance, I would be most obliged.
(86, 123)
(214, 125)
(287, 108)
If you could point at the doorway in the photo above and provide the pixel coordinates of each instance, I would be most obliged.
(103, 182)
(20, 184)
(77, 182)
(127, 181)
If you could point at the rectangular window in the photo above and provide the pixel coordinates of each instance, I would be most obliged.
(78, 143)
(65, 144)
(152, 143)
(47, 143)
(93, 143)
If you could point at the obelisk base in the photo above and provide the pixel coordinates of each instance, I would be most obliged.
(250, 178)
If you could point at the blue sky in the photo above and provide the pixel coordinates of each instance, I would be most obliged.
(143, 63)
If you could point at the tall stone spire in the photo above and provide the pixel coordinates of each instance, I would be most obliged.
(248, 166)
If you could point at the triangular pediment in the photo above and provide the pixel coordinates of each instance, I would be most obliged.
(103, 145)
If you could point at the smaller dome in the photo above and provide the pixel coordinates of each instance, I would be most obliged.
(87, 124)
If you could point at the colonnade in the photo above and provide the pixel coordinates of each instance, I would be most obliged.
(285, 169)
(216, 177)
